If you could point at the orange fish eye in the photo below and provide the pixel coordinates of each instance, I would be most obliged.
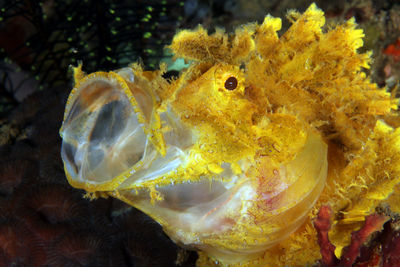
(231, 83)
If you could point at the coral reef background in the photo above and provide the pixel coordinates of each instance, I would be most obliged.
(45, 222)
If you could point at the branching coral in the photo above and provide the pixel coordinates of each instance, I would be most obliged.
(373, 223)
(236, 156)
(322, 224)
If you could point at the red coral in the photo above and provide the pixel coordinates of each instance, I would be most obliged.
(78, 249)
(393, 50)
(373, 223)
(11, 175)
(351, 253)
(322, 224)
(373, 259)
(56, 204)
(14, 241)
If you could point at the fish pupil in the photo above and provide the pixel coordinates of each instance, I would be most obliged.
(231, 83)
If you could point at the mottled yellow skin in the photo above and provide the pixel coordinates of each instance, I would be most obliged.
(309, 80)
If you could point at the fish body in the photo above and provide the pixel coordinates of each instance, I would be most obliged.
(231, 157)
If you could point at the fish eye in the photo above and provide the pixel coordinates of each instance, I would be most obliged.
(231, 83)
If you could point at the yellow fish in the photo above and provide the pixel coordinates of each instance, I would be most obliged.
(241, 150)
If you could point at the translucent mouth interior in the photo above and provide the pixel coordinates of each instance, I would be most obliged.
(102, 136)
(181, 197)
(202, 207)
